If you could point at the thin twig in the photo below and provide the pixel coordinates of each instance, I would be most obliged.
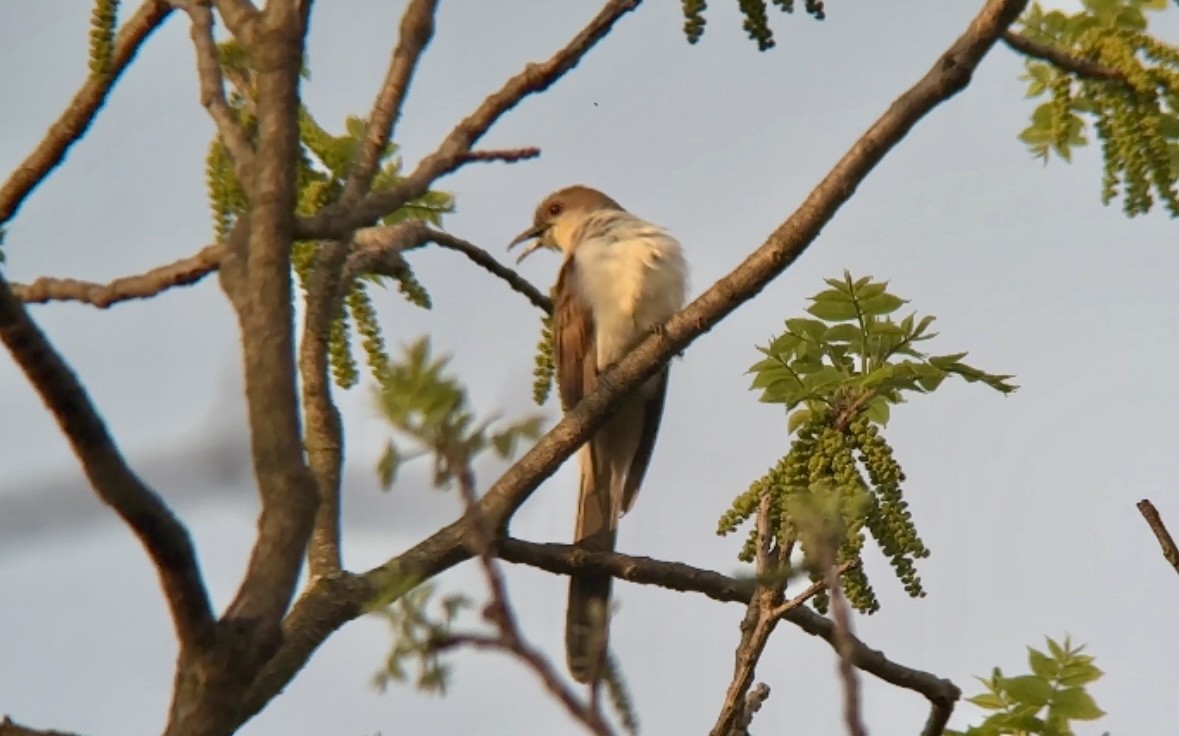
(482, 258)
(1061, 59)
(499, 610)
(163, 536)
(844, 646)
(212, 89)
(1151, 514)
(338, 222)
(76, 119)
(507, 156)
(417, 28)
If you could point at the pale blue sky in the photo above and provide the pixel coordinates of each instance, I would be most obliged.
(1027, 502)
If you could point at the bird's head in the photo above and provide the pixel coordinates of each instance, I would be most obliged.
(559, 215)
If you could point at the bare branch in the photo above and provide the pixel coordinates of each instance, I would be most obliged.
(1151, 514)
(417, 28)
(337, 222)
(73, 123)
(9, 727)
(289, 496)
(499, 610)
(507, 156)
(1062, 59)
(484, 259)
(162, 535)
(314, 617)
(185, 272)
(240, 17)
(844, 642)
(213, 89)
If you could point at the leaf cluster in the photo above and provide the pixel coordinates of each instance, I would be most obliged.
(756, 18)
(430, 408)
(838, 373)
(1044, 701)
(1137, 120)
(325, 163)
(416, 629)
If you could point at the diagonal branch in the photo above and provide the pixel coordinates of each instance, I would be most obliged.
(72, 124)
(163, 536)
(1166, 541)
(212, 87)
(484, 259)
(314, 616)
(417, 28)
(1062, 59)
(337, 222)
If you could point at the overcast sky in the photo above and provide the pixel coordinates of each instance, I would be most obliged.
(1027, 502)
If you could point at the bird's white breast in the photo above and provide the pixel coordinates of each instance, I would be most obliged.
(632, 275)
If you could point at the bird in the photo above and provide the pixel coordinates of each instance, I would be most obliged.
(621, 278)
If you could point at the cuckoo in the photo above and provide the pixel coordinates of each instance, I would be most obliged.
(621, 277)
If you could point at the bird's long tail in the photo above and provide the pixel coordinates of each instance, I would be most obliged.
(587, 618)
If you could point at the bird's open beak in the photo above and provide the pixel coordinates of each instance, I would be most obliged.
(533, 233)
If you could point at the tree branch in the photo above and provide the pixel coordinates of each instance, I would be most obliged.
(288, 491)
(565, 559)
(1062, 59)
(185, 272)
(73, 123)
(484, 259)
(417, 28)
(163, 536)
(1151, 514)
(313, 617)
(507, 156)
(9, 727)
(337, 222)
(499, 610)
(212, 88)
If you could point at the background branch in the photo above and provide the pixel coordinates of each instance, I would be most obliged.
(1062, 59)
(162, 535)
(212, 90)
(1151, 514)
(417, 28)
(73, 123)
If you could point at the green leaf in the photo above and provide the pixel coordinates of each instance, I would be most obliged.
(1042, 665)
(1079, 673)
(797, 418)
(834, 311)
(881, 304)
(1076, 704)
(987, 701)
(845, 332)
(810, 328)
(388, 465)
(878, 410)
(1029, 689)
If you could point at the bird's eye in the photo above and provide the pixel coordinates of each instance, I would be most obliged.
(555, 209)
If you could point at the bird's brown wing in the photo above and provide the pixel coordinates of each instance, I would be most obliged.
(574, 350)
